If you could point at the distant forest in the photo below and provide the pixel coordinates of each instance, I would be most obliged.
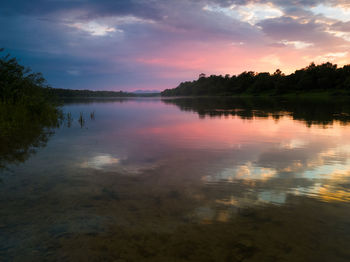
(326, 78)
(70, 93)
(66, 93)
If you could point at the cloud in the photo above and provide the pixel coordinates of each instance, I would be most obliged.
(73, 72)
(334, 12)
(341, 26)
(296, 44)
(94, 28)
(290, 29)
(142, 44)
(87, 9)
(250, 13)
(330, 57)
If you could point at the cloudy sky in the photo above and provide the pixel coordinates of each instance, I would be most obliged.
(155, 44)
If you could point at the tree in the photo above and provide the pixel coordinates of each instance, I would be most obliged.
(18, 84)
(325, 77)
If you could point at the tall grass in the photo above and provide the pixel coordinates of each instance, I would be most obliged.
(81, 120)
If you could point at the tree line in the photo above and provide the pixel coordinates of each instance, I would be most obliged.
(71, 93)
(324, 78)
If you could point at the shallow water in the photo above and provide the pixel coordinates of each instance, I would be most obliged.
(183, 180)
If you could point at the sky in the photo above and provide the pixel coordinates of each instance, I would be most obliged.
(156, 44)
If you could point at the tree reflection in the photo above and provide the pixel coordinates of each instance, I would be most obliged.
(22, 133)
(311, 111)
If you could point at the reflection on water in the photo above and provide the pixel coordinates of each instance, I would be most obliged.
(310, 111)
(21, 134)
(100, 162)
(158, 180)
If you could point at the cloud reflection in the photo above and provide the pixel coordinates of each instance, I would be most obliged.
(100, 162)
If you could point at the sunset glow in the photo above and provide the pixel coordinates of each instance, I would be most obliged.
(141, 45)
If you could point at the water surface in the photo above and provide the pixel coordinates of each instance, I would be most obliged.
(183, 180)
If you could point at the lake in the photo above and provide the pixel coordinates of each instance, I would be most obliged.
(182, 179)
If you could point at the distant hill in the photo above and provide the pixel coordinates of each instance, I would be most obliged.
(314, 79)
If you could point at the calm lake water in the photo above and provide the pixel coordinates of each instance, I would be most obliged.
(182, 180)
